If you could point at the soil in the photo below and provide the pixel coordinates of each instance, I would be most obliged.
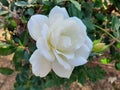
(110, 82)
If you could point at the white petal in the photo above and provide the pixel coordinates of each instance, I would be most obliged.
(75, 30)
(35, 25)
(69, 55)
(61, 71)
(89, 43)
(81, 56)
(83, 51)
(62, 60)
(44, 49)
(78, 61)
(40, 66)
(65, 41)
(80, 23)
(56, 13)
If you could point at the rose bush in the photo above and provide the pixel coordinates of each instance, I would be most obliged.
(62, 43)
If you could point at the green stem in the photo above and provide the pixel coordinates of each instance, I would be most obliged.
(116, 39)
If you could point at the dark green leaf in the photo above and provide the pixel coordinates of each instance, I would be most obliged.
(73, 11)
(49, 83)
(116, 26)
(117, 65)
(30, 11)
(4, 2)
(97, 3)
(22, 78)
(82, 77)
(6, 71)
(6, 49)
(115, 23)
(24, 38)
(77, 5)
(26, 56)
(17, 59)
(100, 17)
(48, 3)
(20, 88)
(21, 3)
(89, 24)
(36, 87)
(59, 1)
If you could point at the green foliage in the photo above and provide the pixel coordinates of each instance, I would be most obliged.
(102, 21)
(117, 65)
(77, 5)
(6, 49)
(6, 71)
(21, 3)
(105, 60)
(18, 57)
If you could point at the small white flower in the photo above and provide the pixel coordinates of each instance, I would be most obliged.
(62, 43)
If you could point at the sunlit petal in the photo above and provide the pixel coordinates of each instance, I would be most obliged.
(44, 49)
(78, 61)
(57, 13)
(40, 66)
(35, 25)
(61, 71)
(62, 60)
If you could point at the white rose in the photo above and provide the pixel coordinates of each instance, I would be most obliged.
(62, 43)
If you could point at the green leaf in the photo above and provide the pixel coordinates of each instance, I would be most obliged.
(21, 3)
(82, 77)
(22, 77)
(77, 5)
(59, 1)
(13, 23)
(105, 60)
(6, 49)
(4, 2)
(89, 24)
(30, 11)
(117, 65)
(49, 83)
(97, 3)
(48, 3)
(3, 12)
(6, 71)
(24, 38)
(20, 88)
(36, 87)
(17, 59)
(100, 17)
(118, 45)
(26, 56)
(24, 20)
(73, 11)
(116, 26)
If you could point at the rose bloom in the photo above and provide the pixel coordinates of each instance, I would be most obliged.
(62, 43)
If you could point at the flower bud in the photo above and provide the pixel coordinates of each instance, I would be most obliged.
(99, 47)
